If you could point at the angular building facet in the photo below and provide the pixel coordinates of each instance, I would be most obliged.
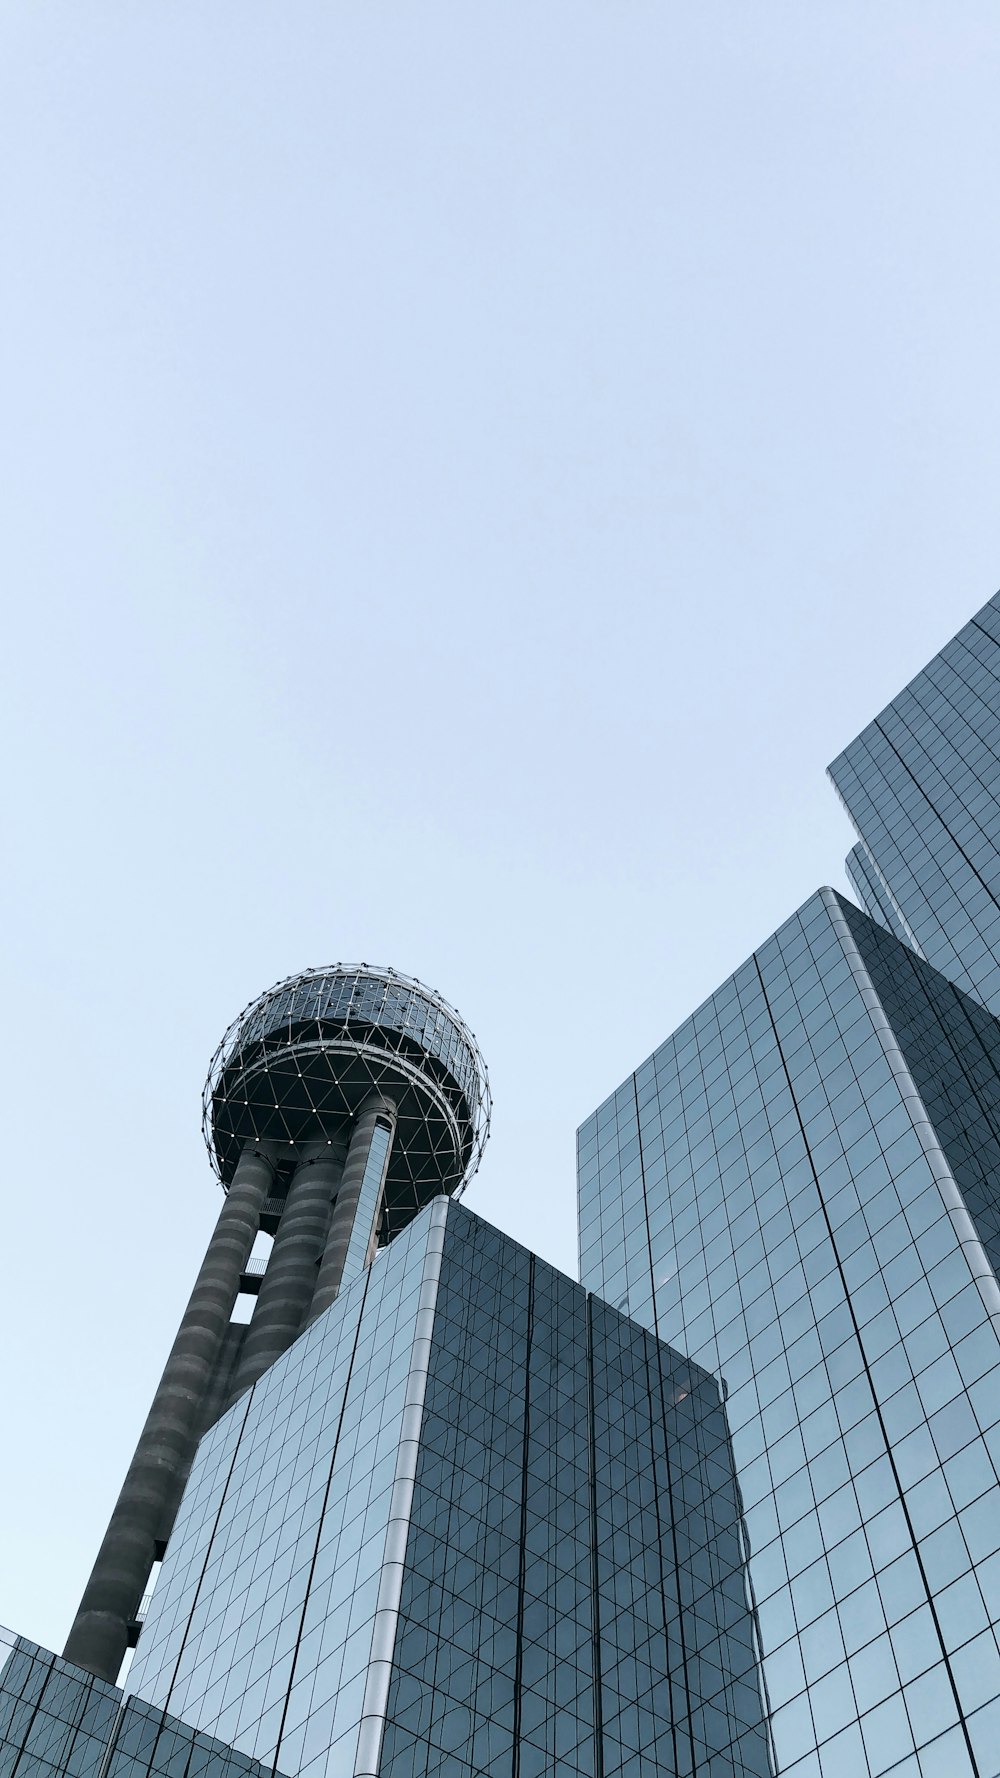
(473, 1521)
(874, 894)
(799, 1190)
(922, 786)
(56, 1719)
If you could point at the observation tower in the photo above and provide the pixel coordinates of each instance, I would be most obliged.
(337, 1105)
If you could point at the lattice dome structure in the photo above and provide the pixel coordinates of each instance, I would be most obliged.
(303, 1058)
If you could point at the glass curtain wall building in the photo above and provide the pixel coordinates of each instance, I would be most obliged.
(922, 786)
(474, 1521)
(798, 1191)
(57, 1719)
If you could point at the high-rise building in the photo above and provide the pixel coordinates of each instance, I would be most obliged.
(435, 1510)
(729, 1507)
(472, 1521)
(922, 786)
(799, 1191)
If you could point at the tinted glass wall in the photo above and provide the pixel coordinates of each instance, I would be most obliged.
(574, 1598)
(532, 1563)
(771, 1193)
(874, 894)
(922, 785)
(952, 1049)
(56, 1721)
(264, 1626)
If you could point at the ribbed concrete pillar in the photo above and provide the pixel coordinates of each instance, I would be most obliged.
(290, 1279)
(218, 1397)
(147, 1505)
(375, 1110)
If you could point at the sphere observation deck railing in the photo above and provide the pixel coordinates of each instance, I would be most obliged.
(322, 1038)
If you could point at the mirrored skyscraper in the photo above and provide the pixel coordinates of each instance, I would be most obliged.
(799, 1191)
(922, 785)
(472, 1521)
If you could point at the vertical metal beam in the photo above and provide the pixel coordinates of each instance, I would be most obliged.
(375, 1110)
(290, 1279)
(376, 1699)
(147, 1505)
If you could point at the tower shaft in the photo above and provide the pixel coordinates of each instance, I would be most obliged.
(378, 1113)
(290, 1279)
(147, 1505)
(329, 1054)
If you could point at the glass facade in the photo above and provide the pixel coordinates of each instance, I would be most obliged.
(874, 894)
(574, 1598)
(922, 786)
(798, 1192)
(262, 1626)
(57, 1720)
(473, 1522)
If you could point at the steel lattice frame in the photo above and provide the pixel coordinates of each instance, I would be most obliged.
(302, 1058)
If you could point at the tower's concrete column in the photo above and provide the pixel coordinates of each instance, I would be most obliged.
(147, 1505)
(290, 1279)
(375, 1110)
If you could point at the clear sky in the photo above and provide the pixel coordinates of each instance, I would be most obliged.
(466, 469)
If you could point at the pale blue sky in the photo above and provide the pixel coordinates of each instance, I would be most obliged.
(466, 469)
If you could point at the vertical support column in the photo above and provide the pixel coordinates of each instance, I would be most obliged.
(375, 1111)
(147, 1505)
(290, 1279)
(390, 1592)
